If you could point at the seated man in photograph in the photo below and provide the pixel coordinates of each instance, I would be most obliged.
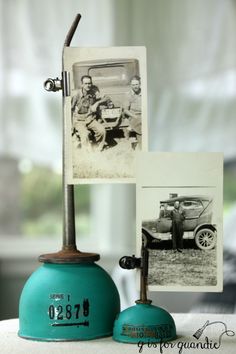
(133, 108)
(84, 107)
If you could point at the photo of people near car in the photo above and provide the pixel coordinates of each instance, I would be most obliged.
(107, 112)
(179, 212)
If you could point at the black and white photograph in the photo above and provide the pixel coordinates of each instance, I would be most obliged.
(106, 113)
(179, 215)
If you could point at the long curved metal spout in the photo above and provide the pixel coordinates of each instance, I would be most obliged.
(69, 234)
(72, 30)
(69, 252)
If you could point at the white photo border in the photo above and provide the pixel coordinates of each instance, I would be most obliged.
(187, 171)
(72, 55)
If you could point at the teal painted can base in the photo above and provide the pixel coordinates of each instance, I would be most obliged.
(68, 302)
(144, 323)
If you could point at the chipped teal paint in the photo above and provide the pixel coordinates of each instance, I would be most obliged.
(63, 302)
(144, 323)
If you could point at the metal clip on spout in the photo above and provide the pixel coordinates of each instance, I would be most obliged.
(53, 84)
(128, 262)
(133, 262)
(143, 322)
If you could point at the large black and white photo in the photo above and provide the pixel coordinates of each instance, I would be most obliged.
(106, 113)
(179, 209)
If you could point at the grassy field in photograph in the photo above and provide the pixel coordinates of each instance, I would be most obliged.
(193, 267)
(115, 162)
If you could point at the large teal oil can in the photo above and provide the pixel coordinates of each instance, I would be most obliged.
(64, 302)
(69, 297)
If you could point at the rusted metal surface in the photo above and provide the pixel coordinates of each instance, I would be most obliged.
(133, 262)
(69, 234)
(144, 273)
(69, 255)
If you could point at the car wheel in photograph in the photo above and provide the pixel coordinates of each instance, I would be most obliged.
(147, 239)
(205, 239)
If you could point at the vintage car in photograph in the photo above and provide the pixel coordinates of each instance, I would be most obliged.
(197, 224)
(112, 77)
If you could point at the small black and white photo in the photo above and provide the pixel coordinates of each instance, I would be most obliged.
(179, 214)
(106, 112)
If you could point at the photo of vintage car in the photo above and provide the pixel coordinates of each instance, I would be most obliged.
(198, 224)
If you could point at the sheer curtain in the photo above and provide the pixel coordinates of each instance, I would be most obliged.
(191, 55)
(32, 36)
(191, 52)
(31, 39)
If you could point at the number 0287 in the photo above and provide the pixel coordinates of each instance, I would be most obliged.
(61, 313)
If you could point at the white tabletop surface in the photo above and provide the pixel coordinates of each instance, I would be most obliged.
(187, 325)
